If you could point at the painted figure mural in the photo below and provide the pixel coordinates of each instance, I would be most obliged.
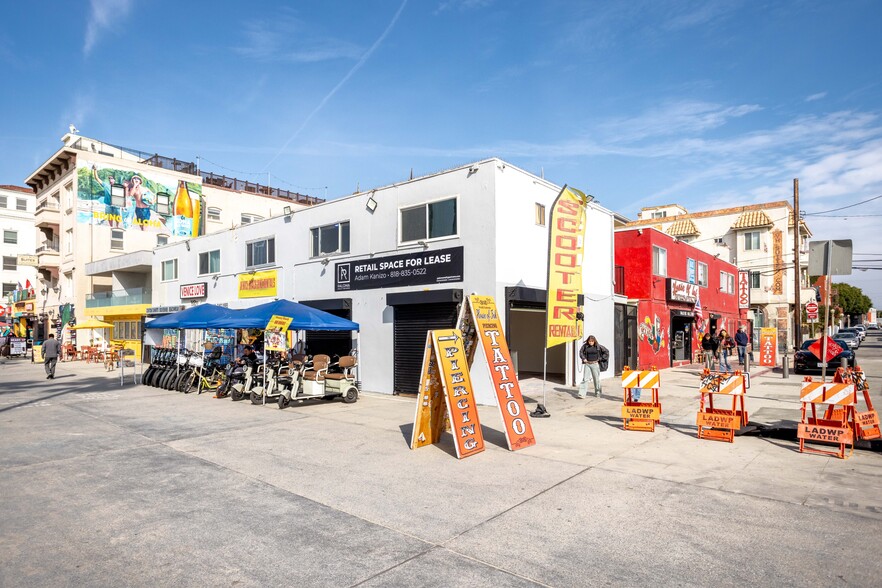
(652, 332)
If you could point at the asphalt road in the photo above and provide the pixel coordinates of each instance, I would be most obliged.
(102, 485)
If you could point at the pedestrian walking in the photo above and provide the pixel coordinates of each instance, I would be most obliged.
(727, 344)
(709, 347)
(741, 341)
(595, 359)
(50, 356)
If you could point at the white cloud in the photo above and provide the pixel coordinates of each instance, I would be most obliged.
(287, 38)
(674, 118)
(818, 96)
(78, 111)
(103, 13)
(462, 5)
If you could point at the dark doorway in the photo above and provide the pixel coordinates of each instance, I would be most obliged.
(681, 337)
(625, 325)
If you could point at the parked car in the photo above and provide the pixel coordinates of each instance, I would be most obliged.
(862, 330)
(872, 326)
(850, 337)
(805, 361)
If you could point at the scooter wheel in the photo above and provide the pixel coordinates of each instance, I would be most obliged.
(256, 398)
(235, 395)
(283, 402)
(351, 395)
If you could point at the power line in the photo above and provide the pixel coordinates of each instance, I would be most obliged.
(844, 207)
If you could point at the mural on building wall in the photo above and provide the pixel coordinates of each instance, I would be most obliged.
(652, 333)
(129, 200)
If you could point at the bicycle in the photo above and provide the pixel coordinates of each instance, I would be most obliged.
(202, 375)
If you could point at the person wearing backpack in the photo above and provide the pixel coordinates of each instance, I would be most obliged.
(595, 359)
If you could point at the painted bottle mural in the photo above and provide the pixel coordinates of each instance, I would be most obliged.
(183, 212)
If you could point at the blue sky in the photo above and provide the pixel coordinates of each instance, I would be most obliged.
(707, 104)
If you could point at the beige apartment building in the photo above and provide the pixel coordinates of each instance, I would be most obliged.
(96, 202)
(759, 239)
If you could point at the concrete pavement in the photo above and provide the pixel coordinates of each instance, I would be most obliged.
(102, 485)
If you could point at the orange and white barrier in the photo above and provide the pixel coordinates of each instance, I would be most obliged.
(640, 416)
(836, 426)
(720, 424)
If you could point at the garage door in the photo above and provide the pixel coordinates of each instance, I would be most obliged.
(411, 323)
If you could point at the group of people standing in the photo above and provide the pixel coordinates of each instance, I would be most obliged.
(717, 348)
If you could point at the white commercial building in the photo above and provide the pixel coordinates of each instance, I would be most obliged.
(18, 274)
(398, 260)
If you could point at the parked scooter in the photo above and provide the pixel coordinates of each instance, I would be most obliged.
(317, 382)
(239, 378)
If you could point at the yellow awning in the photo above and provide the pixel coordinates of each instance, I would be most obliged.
(92, 323)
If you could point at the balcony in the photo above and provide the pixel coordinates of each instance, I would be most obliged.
(48, 254)
(129, 297)
(619, 280)
(48, 213)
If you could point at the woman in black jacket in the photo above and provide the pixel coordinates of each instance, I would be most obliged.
(709, 347)
(595, 359)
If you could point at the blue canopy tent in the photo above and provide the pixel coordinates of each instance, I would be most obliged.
(195, 317)
(304, 318)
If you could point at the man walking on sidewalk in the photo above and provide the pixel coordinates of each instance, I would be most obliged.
(741, 342)
(50, 356)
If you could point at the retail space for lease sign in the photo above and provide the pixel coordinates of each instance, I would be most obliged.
(441, 266)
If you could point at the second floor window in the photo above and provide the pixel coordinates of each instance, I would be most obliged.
(702, 274)
(755, 280)
(117, 195)
(10, 263)
(727, 283)
(330, 239)
(209, 262)
(161, 240)
(169, 270)
(261, 252)
(540, 214)
(659, 261)
(116, 239)
(68, 240)
(10, 237)
(751, 241)
(247, 219)
(163, 203)
(213, 214)
(429, 221)
(21, 204)
(3, 202)
(8, 288)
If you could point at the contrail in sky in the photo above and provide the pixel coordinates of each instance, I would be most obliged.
(339, 85)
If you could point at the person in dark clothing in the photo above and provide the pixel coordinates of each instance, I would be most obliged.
(709, 347)
(741, 341)
(50, 356)
(248, 357)
(595, 359)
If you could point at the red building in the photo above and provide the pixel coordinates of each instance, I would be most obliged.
(667, 279)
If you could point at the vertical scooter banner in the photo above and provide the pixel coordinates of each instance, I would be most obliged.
(430, 418)
(518, 430)
(451, 360)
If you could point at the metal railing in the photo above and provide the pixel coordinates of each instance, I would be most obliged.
(50, 246)
(118, 298)
(619, 280)
(48, 204)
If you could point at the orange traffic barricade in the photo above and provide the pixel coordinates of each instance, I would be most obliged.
(717, 423)
(836, 426)
(865, 423)
(640, 416)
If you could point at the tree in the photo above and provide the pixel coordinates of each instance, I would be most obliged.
(852, 299)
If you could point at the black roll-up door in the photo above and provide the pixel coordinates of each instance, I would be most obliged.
(412, 322)
(331, 343)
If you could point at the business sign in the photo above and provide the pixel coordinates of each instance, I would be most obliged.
(430, 419)
(28, 260)
(440, 266)
(566, 243)
(743, 289)
(778, 259)
(682, 291)
(258, 284)
(163, 309)
(461, 408)
(22, 308)
(518, 431)
(279, 323)
(768, 346)
(198, 290)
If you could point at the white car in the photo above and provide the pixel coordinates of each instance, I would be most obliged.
(862, 331)
(850, 337)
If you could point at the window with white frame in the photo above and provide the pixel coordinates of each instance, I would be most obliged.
(21, 204)
(68, 241)
(118, 195)
(330, 239)
(8, 288)
(169, 270)
(209, 262)
(3, 203)
(163, 203)
(755, 280)
(752, 241)
(727, 283)
(10, 237)
(68, 196)
(248, 218)
(116, 239)
(432, 220)
(659, 261)
(127, 330)
(260, 252)
(540, 214)
(213, 214)
(10, 263)
(663, 214)
(161, 240)
(702, 274)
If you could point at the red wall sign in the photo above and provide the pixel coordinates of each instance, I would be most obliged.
(743, 289)
(198, 290)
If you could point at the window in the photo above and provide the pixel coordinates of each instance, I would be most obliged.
(10, 237)
(3, 202)
(117, 196)
(68, 196)
(429, 221)
(727, 283)
(116, 239)
(330, 239)
(702, 274)
(540, 214)
(659, 261)
(8, 288)
(169, 270)
(690, 270)
(163, 203)
(10, 263)
(130, 330)
(755, 280)
(260, 252)
(214, 214)
(68, 240)
(718, 241)
(21, 204)
(662, 214)
(247, 218)
(751, 241)
(161, 240)
(209, 262)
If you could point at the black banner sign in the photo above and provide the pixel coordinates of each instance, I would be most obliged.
(440, 266)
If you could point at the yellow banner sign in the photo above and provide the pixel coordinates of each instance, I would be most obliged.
(258, 284)
(565, 254)
(461, 407)
(429, 421)
(279, 323)
(518, 430)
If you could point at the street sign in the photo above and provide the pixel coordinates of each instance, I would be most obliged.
(833, 349)
(830, 258)
(811, 311)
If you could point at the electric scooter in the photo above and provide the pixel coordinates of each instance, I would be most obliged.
(317, 382)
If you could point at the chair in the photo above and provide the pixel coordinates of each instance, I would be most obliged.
(319, 368)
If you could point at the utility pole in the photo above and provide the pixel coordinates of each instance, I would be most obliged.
(797, 302)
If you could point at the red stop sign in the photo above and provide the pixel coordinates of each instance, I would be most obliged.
(811, 307)
(832, 349)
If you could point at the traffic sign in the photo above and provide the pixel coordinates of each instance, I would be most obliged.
(833, 349)
(811, 311)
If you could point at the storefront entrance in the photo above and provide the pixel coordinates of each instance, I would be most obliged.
(681, 336)
(525, 333)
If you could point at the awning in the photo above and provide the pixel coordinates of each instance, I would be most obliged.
(304, 317)
(195, 317)
(92, 323)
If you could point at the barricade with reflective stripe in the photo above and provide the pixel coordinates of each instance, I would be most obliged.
(640, 379)
(715, 423)
(837, 424)
(820, 393)
(640, 416)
